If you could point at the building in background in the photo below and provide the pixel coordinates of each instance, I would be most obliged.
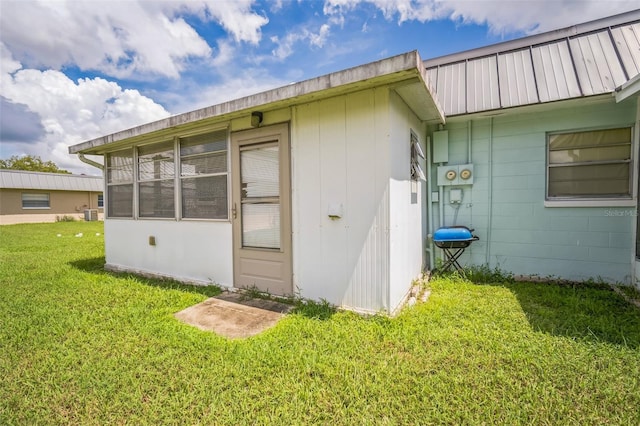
(28, 197)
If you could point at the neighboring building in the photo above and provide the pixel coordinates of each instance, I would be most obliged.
(27, 197)
(316, 189)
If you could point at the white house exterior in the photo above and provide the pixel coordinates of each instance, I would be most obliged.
(318, 199)
(314, 188)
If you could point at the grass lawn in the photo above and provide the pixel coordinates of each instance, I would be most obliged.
(82, 346)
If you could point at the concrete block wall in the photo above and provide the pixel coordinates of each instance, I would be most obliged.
(506, 203)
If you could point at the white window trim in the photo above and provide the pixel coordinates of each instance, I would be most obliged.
(35, 208)
(607, 202)
(620, 201)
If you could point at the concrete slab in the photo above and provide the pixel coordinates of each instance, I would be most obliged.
(234, 315)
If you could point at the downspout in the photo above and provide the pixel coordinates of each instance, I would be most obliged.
(90, 162)
(429, 245)
(469, 142)
(441, 202)
(490, 193)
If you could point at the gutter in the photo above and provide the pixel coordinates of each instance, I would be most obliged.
(90, 162)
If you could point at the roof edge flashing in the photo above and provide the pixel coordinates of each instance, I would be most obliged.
(536, 39)
(384, 71)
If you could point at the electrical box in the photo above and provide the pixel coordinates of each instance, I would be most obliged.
(455, 196)
(441, 147)
(461, 174)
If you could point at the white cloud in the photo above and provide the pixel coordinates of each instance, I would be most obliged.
(233, 85)
(501, 16)
(286, 45)
(121, 38)
(70, 112)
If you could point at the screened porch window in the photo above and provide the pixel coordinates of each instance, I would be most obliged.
(203, 176)
(589, 165)
(35, 201)
(120, 184)
(156, 175)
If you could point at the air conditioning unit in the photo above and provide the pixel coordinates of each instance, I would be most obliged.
(91, 215)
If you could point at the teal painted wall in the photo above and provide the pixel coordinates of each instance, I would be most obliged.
(517, 232)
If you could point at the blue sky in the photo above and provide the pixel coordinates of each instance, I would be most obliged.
(76, 70)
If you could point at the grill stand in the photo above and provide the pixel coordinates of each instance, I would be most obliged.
(452, 259)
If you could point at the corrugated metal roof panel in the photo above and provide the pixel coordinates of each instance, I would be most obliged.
(583, 60)
(627, 39)
(19, 179)
(554, 72)
(517, 82)
(450, 87)
(482, 84)
(597, 64)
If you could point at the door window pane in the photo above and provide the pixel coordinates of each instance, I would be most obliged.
(261, 225)
(260, 172)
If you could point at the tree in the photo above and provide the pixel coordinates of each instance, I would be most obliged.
(32, 163)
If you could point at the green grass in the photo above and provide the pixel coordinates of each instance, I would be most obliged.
(82, 346)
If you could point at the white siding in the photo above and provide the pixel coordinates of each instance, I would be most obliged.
(405, 218)
(199, 251)
(340, 157)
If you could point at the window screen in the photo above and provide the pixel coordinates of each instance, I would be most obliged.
(156, 173)
(35, 201)
(203, 176)
(120, 184)
(591, 164)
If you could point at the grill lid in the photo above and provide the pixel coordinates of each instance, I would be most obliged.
(453, 233)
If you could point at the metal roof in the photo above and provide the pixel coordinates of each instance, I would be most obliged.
(19, 179)
(583, 60)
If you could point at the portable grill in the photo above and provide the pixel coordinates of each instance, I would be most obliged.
(453, 240)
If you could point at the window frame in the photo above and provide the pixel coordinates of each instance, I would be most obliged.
(47, 207)
(591, 200)
(176, 179)
(109, 184)
(180, 177)
(138, 180)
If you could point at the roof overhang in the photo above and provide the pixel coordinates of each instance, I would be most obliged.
(405, 73)
(628, 89)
